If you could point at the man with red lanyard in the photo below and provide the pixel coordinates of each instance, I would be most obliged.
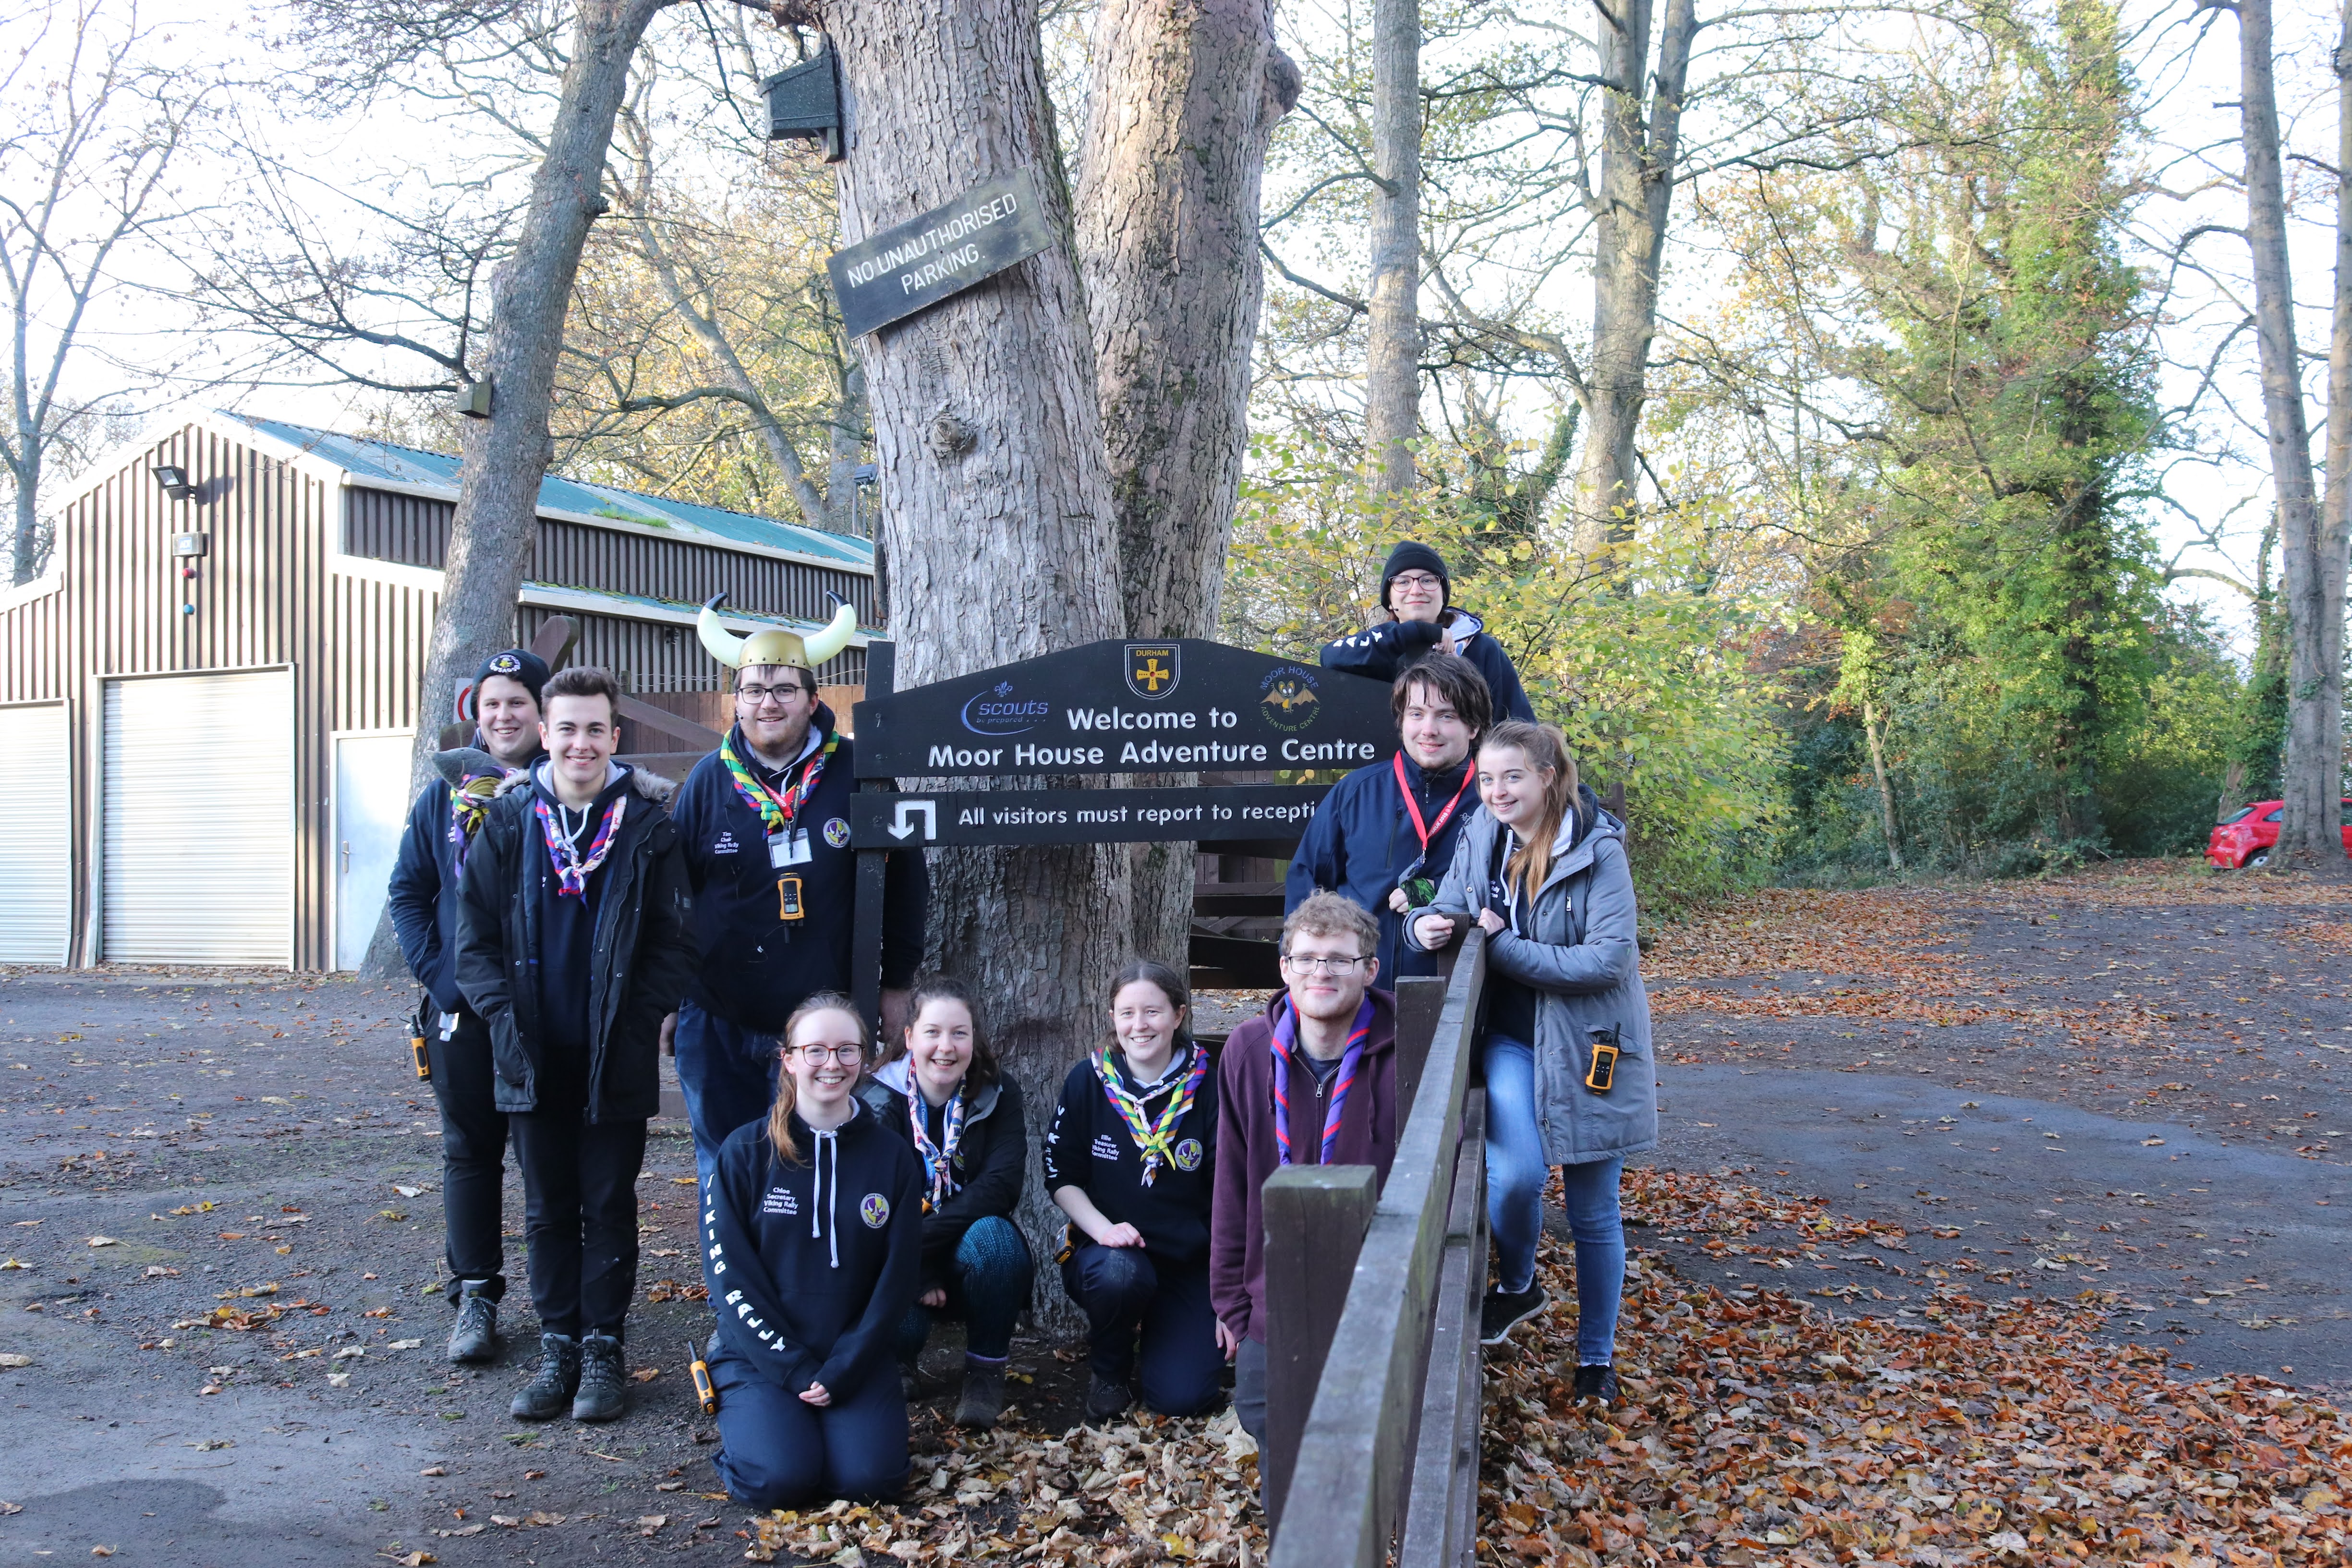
(765, 821)
(1384, 834)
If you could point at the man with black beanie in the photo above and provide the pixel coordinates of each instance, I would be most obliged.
(423, 894)
(1418, 593)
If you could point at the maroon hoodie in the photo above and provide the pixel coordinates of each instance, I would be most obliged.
(1247, 1154)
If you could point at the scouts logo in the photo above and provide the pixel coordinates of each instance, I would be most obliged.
(505, 664)
(836, 833)
(1000, 710)
(1188, 1154)
(1153, 668)
(1288, 699)
(875, 1211)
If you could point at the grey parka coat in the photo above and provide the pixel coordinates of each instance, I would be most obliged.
(1581, 960)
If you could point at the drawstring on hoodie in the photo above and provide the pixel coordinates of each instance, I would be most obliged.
(822, 1221)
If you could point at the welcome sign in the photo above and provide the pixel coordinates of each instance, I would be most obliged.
(995, 225)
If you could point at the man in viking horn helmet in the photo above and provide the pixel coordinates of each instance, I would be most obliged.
(766, 825)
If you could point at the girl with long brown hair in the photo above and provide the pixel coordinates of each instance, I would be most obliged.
(1570, 1080)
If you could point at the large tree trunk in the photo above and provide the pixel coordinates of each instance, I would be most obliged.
(1640, 134)
(1392, 345)
(997, 529)
(506, 455)
(2313, 545)
(1184, 99)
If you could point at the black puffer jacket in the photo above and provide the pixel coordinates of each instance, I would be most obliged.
(643, 957)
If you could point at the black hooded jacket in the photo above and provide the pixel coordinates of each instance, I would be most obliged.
(423, 892)
(991, 1159)
(639, 959)
(813, 1262)
(1386, 650)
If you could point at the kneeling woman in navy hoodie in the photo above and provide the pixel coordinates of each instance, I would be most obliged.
(1132, 1160)
(813, 1237)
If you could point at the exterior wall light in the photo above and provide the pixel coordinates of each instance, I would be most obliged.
(174, 481)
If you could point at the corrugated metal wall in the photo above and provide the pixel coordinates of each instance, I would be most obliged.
(378, 632)
(258, 597)
(415, 531)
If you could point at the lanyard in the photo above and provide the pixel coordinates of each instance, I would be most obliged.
(1432, 830)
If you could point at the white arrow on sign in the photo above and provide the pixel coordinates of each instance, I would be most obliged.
(900, 827)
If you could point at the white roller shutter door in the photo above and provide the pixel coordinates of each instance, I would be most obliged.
(35, 834)
(199, 819)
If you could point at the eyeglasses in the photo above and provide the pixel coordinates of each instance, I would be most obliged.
(753, 696)
(1414, 580)
(1320, 965)
(817, 1056)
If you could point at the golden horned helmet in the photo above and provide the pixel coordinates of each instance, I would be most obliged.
(773, 645)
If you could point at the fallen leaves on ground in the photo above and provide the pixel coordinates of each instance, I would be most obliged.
(1757, 1427)
(1155, 1489)
(671, 1290)
(1886, 931)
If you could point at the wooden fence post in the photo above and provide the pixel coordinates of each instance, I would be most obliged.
(1315, 1221)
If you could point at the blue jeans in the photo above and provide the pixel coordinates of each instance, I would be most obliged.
(1515, 1174)
(990, 1284)
(776, 1450)
(727, 1074)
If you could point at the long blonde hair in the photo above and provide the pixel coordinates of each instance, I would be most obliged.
(1545, 748)
(788, 1093)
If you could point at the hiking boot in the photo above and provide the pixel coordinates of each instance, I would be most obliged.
(549, 1393)
(984, 1393)
(1597, 1383)
(1107, 1398)
(1504, 1310)
(602, 1395)
(476, 1337)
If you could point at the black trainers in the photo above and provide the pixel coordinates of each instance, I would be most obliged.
(1597, 1383)
(475, 1336)
(983, 1393)
(601, 1395)
(1107, 1398)
(1504, 1310)
(549, 1393)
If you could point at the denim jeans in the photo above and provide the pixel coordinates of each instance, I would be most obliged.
(727, 1076)
(991, 1285)
(1515, 1174)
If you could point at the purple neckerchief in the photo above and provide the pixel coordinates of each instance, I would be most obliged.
(1286, 1038)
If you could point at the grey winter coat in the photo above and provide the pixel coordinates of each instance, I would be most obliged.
(1583, 963)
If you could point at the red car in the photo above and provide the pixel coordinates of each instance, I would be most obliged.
(2244, 836)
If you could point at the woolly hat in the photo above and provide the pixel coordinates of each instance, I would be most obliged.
(1410, 556)
(517, 664)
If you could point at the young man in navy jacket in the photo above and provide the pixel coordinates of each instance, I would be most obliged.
(1418, 595)
(1386, 832)
(424, 899)
(765, 825)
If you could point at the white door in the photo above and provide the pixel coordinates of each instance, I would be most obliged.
(36, 834)
(372, 801)
(198, 826)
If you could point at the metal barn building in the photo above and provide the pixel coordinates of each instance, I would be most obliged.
(207, 701)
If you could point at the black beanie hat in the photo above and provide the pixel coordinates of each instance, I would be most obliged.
(1410, 556)
(516, 664)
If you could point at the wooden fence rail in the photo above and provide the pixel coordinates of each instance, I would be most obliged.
(1376, 1447)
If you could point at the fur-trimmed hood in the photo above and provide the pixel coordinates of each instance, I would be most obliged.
(644, 782)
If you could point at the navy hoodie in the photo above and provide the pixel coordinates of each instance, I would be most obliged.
(756, 965)
(1090, 1148)
(813, 1262)
(1383, 652)
(1361, 840)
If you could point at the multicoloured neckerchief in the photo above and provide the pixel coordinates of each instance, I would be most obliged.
(939, 1159)
(776, 816)
(468, 803)
(1285, 1034)
(1151, 1139)
(571, 872)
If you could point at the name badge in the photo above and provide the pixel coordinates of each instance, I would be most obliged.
(790, 848)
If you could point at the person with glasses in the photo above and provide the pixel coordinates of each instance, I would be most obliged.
(943, 1093)
(1131, 1159)
(765, 820)
(1570, 1078)
(1385, 833)
(812, 1243)
(1417, 595)
(1310, 1081)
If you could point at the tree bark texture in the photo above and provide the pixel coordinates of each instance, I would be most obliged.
(1392, 340)
(997, 522)
(1184, 95)
(1641, 137)
(2312, 543)
(506, 456)
(1870, 728)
